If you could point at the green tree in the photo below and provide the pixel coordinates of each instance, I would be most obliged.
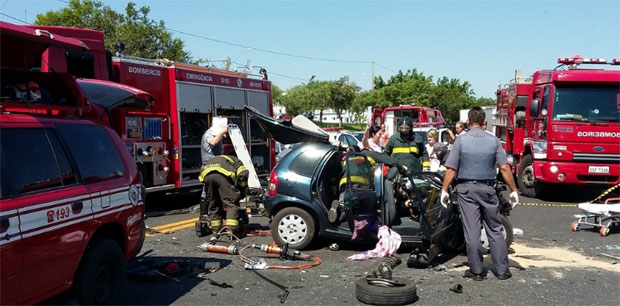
(141, 35)
(276, 94)
(341, 94)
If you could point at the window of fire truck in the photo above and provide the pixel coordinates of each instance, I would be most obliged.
(45, 88)
(81, 65)
(587, 104)
(33, 160)
(94, 152)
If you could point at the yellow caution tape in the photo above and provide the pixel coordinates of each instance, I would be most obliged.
(548, 204)
(606, 192)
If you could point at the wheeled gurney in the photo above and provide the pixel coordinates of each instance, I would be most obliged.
(602, 216)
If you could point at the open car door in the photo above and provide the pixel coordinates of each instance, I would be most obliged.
(361, 204)
(434, 219)
(110, 95)
(299, 129)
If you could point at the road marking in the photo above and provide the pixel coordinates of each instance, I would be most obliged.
(548, 204)
(171, 227)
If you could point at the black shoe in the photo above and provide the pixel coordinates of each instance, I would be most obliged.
(201, 229)
(505, 276)
(476, 277)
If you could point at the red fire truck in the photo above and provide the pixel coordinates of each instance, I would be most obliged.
(165, 137)
(421, 116)
(424, 119)
(560, 126)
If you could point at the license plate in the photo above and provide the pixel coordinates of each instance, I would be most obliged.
(598, 169)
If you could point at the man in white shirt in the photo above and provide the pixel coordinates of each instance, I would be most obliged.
(211, 143)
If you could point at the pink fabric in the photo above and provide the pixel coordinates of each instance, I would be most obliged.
(389, 242)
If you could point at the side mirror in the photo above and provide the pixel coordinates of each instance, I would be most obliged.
(534, 107)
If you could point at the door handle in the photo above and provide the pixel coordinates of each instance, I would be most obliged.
(76, 207)
(4, 224)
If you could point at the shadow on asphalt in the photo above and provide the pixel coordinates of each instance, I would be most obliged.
(573, 193)
(169, 278)
(162, 203)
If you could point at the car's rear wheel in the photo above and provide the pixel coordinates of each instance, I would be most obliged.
(100, 278)
(294, 226)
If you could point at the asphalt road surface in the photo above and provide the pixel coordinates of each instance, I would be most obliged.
(551, 265)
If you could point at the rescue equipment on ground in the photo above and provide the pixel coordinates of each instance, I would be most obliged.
(214, 248)
(284, 253)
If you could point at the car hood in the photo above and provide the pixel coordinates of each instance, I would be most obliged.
(298, 129)
(110, 95)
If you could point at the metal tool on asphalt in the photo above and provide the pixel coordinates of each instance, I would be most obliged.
(214, 248)
(285, 291)
(284, 253)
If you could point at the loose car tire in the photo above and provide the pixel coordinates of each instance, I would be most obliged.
(294, 226)
(100, 278)
(507, 229)
(379, 295)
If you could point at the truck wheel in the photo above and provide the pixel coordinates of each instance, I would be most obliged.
(528, 185)
(100, 278)
(508, 234)
(384, 295)
(294, 226)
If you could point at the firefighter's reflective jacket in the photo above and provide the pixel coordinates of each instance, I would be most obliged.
(408, 151)
(358, 168)
(229, 166)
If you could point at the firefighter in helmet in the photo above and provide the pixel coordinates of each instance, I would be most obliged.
(225, 180)
(408, 148)
(356, 172)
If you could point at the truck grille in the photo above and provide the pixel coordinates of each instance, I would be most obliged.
(596, 158)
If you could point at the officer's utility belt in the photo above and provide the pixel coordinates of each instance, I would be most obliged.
(483, 182)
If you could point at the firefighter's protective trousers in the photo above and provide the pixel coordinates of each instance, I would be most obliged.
(225, 179)
(222, 199)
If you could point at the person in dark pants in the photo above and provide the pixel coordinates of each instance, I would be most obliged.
(225, 180)
(472, 161)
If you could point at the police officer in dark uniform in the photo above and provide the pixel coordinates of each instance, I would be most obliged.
(225, 179)
(408, 148)
(472, 160)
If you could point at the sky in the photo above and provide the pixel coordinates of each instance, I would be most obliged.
(481, 42)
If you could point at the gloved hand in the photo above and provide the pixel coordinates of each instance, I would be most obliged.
(514, 198)
(445, 198)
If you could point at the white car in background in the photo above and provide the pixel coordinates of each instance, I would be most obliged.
(343, 138)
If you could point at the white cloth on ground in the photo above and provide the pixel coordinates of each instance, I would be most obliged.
(389, 242)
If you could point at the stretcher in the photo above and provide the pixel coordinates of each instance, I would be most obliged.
(600, 215)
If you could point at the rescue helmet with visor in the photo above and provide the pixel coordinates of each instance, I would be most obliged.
(404, 125)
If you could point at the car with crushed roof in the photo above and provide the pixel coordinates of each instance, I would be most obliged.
(305, 183)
